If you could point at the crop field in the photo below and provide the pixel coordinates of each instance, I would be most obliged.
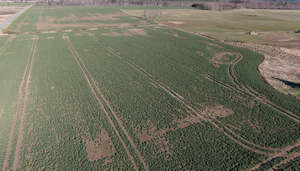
(95, 88)
(275, 27)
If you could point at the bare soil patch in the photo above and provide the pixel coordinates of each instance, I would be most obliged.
(157, 136)
(105, 17)
(138, 32)
(291, 51)
(221, 58)
(115, 34)
(187, 121)
(175, 23)
(199, 53)
(50, 38)
(100, 148)
(218, 111)
(72, 17)
(130, 32)
(47, 25)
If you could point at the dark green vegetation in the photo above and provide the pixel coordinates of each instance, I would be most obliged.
(87, 87)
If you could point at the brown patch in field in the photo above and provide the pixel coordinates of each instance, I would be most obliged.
(100, 148)
(281, 39)
(10, 53)
(176, 35)
(187, 121)
(199, 53)
(49, 23)
(104, 17)
(218, 111)
(176, 22)
(164, 147)
(50, 38)
(249, 104)
(91, 34)
(47, 32)
(68, 31)
(220, 58)
(78, 34)
(115, 34)
(151, 133)
(291, 51)
(72, 17)
(138, 32)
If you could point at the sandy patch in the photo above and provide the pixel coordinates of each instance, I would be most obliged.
(46, 26)
(176, 23)
(100, 148)
(291, 51)
(50, 38)
(104, 17)
(115, 34)
(221, 58)
(218, 111)
(199, 53)
(157, 136)
(72, 17)
(187, 121)
(137, 32)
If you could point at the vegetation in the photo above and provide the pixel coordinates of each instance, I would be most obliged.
(95, 88)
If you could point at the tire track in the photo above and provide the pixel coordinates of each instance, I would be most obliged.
(259, 97)
(18, 109)
(96, 89)
(289, 158)
(283, 153)
(19, 145)
(202, 115)
(6, 44)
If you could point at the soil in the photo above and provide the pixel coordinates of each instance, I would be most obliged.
(137, 32)
(105, 17)
(176, 23)
(115, 34)
(218, 111)
(100, 148)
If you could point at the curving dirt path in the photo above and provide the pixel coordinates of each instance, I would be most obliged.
(283, 153)
(96, 89)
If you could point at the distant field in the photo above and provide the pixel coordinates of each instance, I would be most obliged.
(273, 26)
(92, 87)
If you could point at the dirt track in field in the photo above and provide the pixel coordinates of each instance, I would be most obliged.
(19, 110)
(19, 145)
(95, 89)
(284, 152)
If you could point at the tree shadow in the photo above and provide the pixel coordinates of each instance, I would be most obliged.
(288, 83)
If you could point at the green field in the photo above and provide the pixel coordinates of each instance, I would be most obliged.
(94, 88)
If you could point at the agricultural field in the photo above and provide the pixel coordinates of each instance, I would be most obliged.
(273, 34)
(95, 88)
(274, 27)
